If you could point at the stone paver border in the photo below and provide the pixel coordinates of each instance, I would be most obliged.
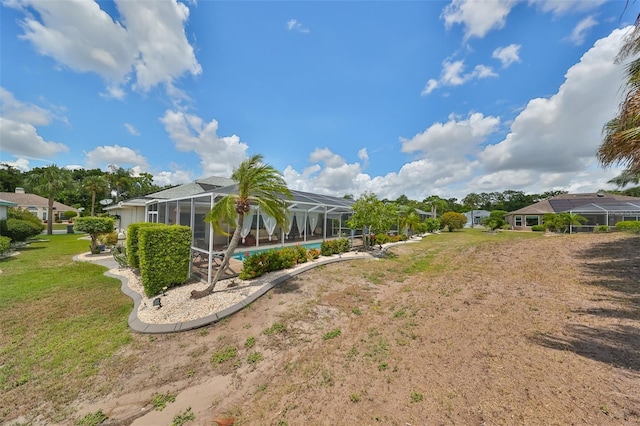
(278, 277)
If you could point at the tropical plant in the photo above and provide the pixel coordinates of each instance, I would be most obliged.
(562, 222)
(96, 185)
(49, 182)
(621, 143)
(120, 179)
(373, 215)
(434, 203)
(256, 183)
(409, 219)
(453, 220)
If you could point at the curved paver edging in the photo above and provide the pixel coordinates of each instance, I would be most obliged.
(142, 327)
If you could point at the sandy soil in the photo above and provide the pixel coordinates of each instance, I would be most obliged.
(528, 332)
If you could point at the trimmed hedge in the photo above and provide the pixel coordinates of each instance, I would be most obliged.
(94, 226)
(163, 253)
(260, 263)
(632, 226)
(539, 228)
(132, 241)
(19, 230)
(5, 245)
(330, 247)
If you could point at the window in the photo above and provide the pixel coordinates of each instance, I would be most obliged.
(518, 221)
(532, 220)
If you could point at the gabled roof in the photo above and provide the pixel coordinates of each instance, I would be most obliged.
(32, 200)
(569, 202)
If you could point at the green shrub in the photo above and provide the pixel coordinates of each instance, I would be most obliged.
(601, 228)
(132, 241)
(94, 226)
(110, 239)
(69, 214)
(329, 247)
(19, 230)
(432, 224)
(632, 226)
(5, 245)
(164, 253)
(24, 214)
(538, 228)
(313, 254)
(453, 220)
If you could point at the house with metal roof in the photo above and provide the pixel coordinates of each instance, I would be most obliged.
(133, 210)
(598, 208)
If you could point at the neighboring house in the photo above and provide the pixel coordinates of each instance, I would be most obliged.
(34, 203)
(133, 210)
(478, 215)
(599, 208)
(4, 207)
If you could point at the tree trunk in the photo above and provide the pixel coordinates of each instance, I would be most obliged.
(233, 244)
(93, 202)
(50, 216)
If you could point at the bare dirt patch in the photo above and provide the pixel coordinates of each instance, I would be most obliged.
(526, 331)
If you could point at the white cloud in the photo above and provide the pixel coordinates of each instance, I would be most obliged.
(457, 137)
(560, 7)
(131, 129)
(363, 155)
(149, 43)
(452, 74)
(294, 25)
(478, 18)
(218, 155)
(21, 164)
(508, 54)
(18, 128)
(580, 31)
(176, 177)
(561, 134)
(123, 156)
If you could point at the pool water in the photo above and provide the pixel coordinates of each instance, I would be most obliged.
(240, 254)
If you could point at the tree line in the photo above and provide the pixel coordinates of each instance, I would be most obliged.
(80, 188)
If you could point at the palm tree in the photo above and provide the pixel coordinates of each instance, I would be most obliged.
(472, 200)
(434, 202)
(409, 218)
(120, 180)
(49, 182)
(622, 134)
(256, 183)
(625, 178)
(95, 184)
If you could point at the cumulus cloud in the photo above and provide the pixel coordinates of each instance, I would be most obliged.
(561, 134)
(218, 155)
(294, 25)
(175, 177)
(102, 156)
(149, 44)
(452, 74)
(508, 54)
(478, 18)
(561, 7)
(580, 31)
(18, 128)
(21, 164)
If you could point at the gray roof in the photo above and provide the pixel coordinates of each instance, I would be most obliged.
(32, 200)
(568, 202)
(620, 207)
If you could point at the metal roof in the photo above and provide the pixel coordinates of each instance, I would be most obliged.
(619, 207)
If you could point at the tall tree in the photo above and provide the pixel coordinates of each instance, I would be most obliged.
(436, 203)
(621, 143)
(372, 214)
(120, 180)
(256, 183)
(95, 185)
(49, 182)
(10, 178)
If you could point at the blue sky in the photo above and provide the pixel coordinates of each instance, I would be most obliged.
(417, 98)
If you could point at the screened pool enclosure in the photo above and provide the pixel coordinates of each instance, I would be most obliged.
(312, 217)
(606, 213)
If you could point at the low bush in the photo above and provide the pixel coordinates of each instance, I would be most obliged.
(110, 239)
(538, 228)
(632, 226)
(601, 228)
(313, 254)
(5, 245)
(260, 263)
(19, 230)
(330, 247)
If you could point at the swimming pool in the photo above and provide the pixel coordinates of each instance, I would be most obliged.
(240, 254)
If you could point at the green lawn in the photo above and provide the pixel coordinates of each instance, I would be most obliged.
(60, 319)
